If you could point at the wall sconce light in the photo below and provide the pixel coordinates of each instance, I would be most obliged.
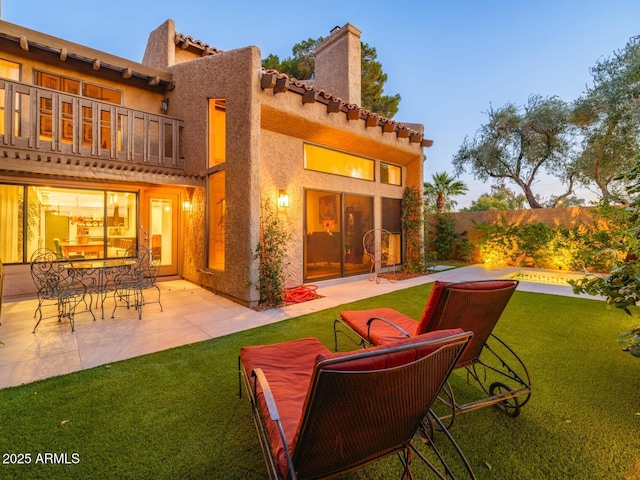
(164, 106)
(283, 199)
(186, 206)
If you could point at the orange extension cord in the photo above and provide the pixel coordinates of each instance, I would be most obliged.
(300, 294)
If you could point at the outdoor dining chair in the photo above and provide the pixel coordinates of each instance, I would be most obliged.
(130, 285)
(319, 414)
(476, 306)
(54, 283)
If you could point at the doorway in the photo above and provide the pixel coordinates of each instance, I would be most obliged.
(159, 229)
(335, 224)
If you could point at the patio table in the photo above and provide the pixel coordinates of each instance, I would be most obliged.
(99, 276)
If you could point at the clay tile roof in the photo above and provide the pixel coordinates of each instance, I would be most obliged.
(269, 79)
(187, 42)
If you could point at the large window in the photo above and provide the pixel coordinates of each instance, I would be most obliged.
(339, 163)
(75, 223)
(391, 221)
(10, 70)
(77, 87)
(391, 174)
(217, 129)
(216, 199)
(11, 217)
(217, 217)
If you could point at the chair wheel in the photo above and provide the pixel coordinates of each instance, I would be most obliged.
(511, 406)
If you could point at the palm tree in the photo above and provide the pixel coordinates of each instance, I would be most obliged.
(440, 190)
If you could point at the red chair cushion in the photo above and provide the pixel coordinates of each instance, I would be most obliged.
(381, 332)
(430, 306)
(289, 368)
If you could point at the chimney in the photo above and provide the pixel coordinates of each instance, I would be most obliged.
(339, 64)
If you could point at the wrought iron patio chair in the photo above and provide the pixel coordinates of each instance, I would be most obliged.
(53, 282)
(319, 414)
(129, 286)
(380, 246)
(501, 376)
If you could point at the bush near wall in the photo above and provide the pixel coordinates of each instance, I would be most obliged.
(558, 238)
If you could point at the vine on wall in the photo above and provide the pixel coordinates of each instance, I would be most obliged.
(411, 222)
(271, 252)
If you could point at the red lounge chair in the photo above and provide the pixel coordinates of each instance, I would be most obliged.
(319, 414)
(473, 306)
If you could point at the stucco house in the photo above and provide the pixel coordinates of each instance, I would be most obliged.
(181, 152)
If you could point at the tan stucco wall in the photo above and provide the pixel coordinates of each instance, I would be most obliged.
(229, 75)
(287, 126)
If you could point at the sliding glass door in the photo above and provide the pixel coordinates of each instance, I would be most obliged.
(334, 226)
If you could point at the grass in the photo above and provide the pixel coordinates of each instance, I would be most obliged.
(176, 414)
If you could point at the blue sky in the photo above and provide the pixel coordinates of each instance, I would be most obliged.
(449, 60)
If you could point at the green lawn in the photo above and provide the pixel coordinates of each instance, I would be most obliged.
(176, 414)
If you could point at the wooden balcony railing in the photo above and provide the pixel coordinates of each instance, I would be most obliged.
(52, 122)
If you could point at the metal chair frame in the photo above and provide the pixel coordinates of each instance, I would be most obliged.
(377, 246)
(54, 283)
(130, 285)
(375, 413)
(493, 366)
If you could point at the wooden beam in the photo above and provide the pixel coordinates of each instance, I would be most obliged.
(24, 44)
(333, 106)
(282, 85)
(63, 54)
(96, 64)
(388, 127)
(372, 121)
(154, 81)
(268, 80)
(309, 96)
(353, 114)
(427, 143)
(126, 73)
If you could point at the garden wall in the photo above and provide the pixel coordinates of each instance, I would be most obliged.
(466, 221)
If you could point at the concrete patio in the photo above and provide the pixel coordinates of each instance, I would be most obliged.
(190, 314)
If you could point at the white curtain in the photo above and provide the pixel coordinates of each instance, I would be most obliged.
(9, 215)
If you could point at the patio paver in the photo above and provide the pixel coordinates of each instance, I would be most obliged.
(191, 314)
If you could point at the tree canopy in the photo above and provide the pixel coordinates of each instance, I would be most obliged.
(301, 65)
(500, 198)
(439, 192)
(518, 144)
(609, 117)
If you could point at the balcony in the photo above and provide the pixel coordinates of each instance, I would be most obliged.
(78, 132)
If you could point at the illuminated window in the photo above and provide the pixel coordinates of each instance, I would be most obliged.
(391, 221)
(11, 216)
(11, 71)
(217, 131)
(339, 163)
(75, 87)
(76, 223)
(391, 174)
(217, 219)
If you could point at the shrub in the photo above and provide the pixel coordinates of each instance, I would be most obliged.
(272, 253)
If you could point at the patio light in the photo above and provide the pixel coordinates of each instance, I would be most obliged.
(283, 199)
